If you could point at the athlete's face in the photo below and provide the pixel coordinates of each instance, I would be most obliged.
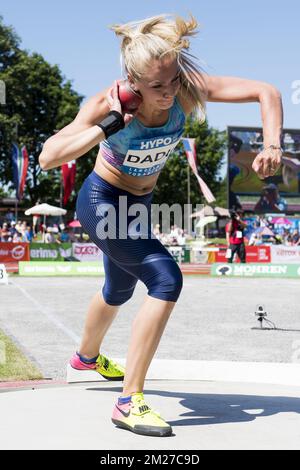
(160, 83)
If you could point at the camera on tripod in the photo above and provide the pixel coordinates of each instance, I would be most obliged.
(260, 311)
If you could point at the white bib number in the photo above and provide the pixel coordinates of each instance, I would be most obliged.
(149, 156)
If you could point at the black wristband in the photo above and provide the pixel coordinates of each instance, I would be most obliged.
(113, 122)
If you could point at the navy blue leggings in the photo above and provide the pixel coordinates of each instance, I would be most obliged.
(131, 252)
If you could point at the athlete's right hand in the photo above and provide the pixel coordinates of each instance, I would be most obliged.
(112, 97)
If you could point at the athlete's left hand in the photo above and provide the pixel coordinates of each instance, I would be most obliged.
(267, 162)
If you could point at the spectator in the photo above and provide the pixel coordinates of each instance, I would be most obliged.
(12, 229)
(64, 236)
(181, 238)
(49, 237)
(156, 231)
(253, 238)
(295, 237)
(288, 240)
(17, 237)
(10, 216)
(29, 233)
(5, 234)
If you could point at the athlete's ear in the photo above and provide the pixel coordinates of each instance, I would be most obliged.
(132, 83)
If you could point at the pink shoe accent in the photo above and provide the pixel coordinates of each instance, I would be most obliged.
(121, 411)
(76, 363)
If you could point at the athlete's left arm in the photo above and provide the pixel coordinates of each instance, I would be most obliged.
(241, 90)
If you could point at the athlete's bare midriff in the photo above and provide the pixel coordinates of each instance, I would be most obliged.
(137, 185)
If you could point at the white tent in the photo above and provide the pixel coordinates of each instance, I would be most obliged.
(211, 211)
(45, 209)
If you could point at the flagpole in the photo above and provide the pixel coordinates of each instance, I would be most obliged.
(61, 190)
(189, 194)
(16, 203)
(189, 198)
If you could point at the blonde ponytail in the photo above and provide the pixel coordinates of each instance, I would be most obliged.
(155, 37)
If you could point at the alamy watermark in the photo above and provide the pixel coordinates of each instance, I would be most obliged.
(2, 353)
(296, 93)
(135, 221)
(2, 92)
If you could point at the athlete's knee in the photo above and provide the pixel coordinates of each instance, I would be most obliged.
(116, 296)
(167, 283)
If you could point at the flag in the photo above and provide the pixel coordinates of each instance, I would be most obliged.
(190, 150)
(68, 176)
(20, 167)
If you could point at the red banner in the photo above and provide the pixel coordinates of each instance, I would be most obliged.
(14, 252)
(254, 254)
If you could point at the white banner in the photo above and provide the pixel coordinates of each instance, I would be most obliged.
(285, 254)
(87, 252)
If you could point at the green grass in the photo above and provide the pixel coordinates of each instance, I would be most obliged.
(13, 364)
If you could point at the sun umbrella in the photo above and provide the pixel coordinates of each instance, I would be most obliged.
(45, 209)
(281, 221)
(211, 211)
(74, 223)
(265, 231)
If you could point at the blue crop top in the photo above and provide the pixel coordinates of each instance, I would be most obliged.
(141, 151)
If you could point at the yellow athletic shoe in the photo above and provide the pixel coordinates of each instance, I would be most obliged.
(133, 414)
(109, 369)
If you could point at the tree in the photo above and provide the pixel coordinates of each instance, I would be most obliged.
(39, 100)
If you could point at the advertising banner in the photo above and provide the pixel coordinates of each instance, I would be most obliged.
(87, 252)
(285, 254)
(254, 254)
(256, 270)
(50, 251)
(14, 252)
(179, 253)
(38, 268)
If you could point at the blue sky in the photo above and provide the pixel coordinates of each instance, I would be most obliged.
(256, 39)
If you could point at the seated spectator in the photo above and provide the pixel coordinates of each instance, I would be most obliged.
(29, 233)
(18, 226)
(295, 237)
(49, 237)
(156, 231)
(255, 240)
(12, 228)
(17, 237)
(64, 236)
(181, 239)
(288, 240)
(5, 235)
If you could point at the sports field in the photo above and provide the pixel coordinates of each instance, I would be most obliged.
(212, 320)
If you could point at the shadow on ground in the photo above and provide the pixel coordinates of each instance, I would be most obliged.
(206, 409)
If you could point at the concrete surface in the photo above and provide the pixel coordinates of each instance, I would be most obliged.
(203, 415)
